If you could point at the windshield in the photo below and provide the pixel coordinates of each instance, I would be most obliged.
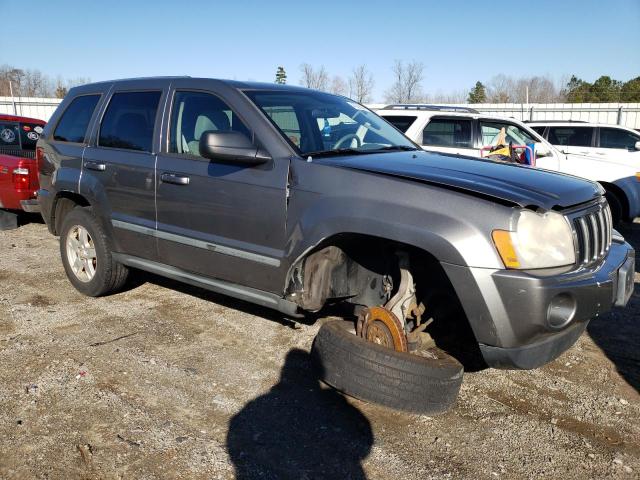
(318, 123)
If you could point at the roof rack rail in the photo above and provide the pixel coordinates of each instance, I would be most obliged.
(422, 106)
(555, 121)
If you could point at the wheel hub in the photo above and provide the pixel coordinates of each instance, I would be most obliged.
(81, 253)
(378, 325)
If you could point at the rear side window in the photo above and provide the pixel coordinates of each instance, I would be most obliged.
(74, 122)
(616, 138)
(443, 132)
(193, 114)
(129, 120)
(401, 122)
(571, 136)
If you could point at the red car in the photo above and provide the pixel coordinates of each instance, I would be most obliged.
(18, 169)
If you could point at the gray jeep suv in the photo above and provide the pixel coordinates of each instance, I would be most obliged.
(293, 199)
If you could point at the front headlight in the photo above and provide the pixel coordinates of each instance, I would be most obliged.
(539, 241)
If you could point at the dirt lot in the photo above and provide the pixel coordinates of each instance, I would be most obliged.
(169, 381)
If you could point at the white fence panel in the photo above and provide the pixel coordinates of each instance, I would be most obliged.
(41, 108)
(627, 114)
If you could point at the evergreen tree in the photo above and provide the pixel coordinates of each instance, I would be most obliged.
(478, 94)
(281, 76)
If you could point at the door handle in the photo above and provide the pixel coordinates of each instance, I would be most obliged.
(174, 178)
(100, 167)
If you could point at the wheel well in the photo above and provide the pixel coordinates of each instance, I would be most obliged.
(620, 195)
(353, 264)
(374, 255)
(64, 203)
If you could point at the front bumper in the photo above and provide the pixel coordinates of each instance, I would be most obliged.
(522, 320)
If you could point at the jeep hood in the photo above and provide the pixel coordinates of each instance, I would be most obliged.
(518, 184)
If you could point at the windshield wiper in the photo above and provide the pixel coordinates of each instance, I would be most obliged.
(336, 153)
(404, 148)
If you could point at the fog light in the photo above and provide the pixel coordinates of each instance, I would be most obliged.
(561, 310)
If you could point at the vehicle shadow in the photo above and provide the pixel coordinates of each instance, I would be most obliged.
(10, 220)
(618, 332)
(299, 430)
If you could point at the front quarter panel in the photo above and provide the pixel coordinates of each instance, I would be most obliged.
(453, 226)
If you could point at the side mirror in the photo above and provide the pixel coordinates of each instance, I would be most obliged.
(542, 150)
(230, 147)
(637, 145)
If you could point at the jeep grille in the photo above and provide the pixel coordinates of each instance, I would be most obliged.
(592, 231)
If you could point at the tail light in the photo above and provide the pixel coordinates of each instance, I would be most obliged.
(40, 158)
(22, 176)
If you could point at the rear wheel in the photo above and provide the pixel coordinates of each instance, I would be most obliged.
(86, 253)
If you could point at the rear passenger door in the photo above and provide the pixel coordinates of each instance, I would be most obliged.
(219, 220)
(119, 166)
(449, 135)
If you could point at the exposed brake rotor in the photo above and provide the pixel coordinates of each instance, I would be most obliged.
(381, 326)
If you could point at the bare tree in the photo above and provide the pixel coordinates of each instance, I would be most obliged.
(500, 89)
(407, 85)
(338, 86)
(312, 78)
(361, 84)
(33, 83)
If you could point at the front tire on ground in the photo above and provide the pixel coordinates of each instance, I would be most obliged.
(380, 375)
(86, 251)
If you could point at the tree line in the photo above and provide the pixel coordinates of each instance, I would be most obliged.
(34, 83)
(504, 89)
(408, 77)
(406, 87)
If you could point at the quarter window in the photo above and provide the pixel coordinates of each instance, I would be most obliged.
(616, 138)
(571, 136)
(401, 122)
(195, 113)
(74, 122)
(447, 133)
(129, 120)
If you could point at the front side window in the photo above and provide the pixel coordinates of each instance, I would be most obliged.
(317, 123)
(129, 120)
(490, 132)
(571, 136)
(74, 122)
(194, 113)
(401, 122)
(617, 138)
(447, 132)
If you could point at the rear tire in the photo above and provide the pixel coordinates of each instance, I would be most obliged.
(377, 374)
(101, 274)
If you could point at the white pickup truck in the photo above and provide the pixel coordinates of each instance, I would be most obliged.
(465, 131)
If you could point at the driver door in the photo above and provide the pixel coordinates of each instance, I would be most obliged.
(218, 220)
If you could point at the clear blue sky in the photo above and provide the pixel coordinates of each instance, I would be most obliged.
(459, 42)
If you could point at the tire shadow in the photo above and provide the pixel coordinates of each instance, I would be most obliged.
(299, 430)
(618, 332)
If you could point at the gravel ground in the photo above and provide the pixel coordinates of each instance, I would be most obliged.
(169, 381)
